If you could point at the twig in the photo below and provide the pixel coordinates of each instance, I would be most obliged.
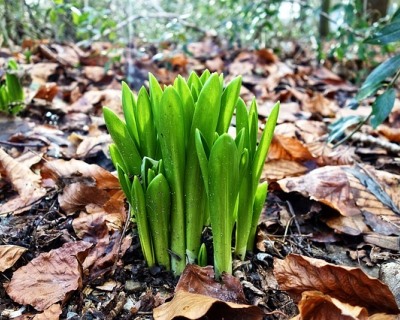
(18, 144)
(120, 240)
(291, 211)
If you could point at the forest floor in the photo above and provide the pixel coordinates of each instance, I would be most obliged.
(329, 234)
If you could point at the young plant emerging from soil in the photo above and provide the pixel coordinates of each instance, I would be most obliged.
(180, 170)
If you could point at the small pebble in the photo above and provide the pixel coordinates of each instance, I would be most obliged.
(133, 286)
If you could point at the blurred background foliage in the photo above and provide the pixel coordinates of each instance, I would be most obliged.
(334, 29)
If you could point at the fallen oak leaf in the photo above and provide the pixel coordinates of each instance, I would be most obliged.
(50, 277)
(195, 306)
(297, 274)
(9, 254)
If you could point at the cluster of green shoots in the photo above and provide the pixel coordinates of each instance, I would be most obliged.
(11, 91)
(182, 171)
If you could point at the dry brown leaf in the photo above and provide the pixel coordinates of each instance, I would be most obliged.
(88, 144)
(109, 97)
(47, 92)
(392, 134)
(314, 305)
(328, 185)
(215, 65)
(326, 155)
(384, 316)
(90, 227)
(77, 195)
(354, 225)
(201, 280)
(266, 56)
(9, 254)
(318, 104)
(106, 251)
(387, 242)
(288, 148)
(288, 112)
(50, 277)
(297, 274)
(23, 180)
(178, 60)
(339, 188)
(41, 71)
(94, 73)
(79, 171)
(51, 313)
(85, 184)
(195, 306)
(279, 169)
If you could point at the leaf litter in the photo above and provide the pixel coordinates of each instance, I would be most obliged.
(56, 176)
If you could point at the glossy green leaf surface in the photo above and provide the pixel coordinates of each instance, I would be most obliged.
(379, 74)
(382, 107)
(388, 34)
(138, 206)
(223, 180)
(122, 139)
(158, 205)
(172, 142)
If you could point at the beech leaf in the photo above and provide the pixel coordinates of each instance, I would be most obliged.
(48, 278)
(9, 254)
(297, 274)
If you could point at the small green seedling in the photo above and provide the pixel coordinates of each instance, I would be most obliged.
(182, 171)
(11, 91)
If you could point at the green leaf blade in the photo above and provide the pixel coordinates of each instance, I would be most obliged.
(382, 107)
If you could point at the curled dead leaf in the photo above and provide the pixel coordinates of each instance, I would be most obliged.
(315, 305)
(297, 274)
(50, 277)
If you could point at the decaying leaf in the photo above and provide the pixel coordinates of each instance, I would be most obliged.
(201, 280)
(84, 183)
(195, 306)
(50, 277)
(51, 313)
(288, 148)
(199, 294)
(315, 305)
(47, 92)
(297, 274)
(9, 254)
(24, 181)
(352, 192)
(328, 185)
(279, 169)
